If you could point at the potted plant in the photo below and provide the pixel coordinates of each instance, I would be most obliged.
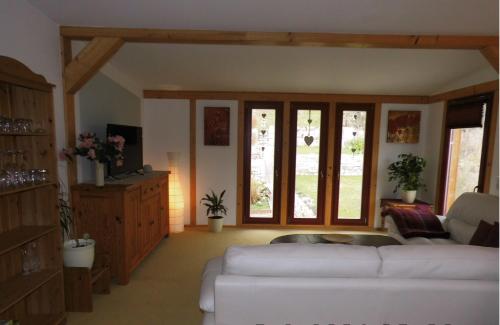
(76, 252)
(407, 173)
(215, 208)
(92, 148)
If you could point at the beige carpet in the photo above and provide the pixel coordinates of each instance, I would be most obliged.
(164, 288)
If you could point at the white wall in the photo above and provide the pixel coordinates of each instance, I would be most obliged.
(166, 129)
(29, 36)
(216, 166)
(427, 147)
(102, 101)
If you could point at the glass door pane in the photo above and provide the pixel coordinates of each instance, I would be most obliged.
(464, 162)
(307, 162)
(352, 161)
(262, 162)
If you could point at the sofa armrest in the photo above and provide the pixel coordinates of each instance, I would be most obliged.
(212, 269)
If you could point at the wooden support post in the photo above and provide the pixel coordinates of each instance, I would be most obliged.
(90, 59)
(192, 162)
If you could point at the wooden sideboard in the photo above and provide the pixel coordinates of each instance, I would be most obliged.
(127, 218)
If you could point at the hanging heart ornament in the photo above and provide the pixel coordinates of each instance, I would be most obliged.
(308, 139)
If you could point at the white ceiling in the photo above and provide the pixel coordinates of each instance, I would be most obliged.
(295, 69)
(340, 16)
(290, 69)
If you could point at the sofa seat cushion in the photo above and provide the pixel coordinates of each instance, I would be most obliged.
(453, 262)
(443, 241)
(207, 293)
(302, 260)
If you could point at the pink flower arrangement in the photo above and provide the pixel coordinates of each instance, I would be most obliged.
(92, 148)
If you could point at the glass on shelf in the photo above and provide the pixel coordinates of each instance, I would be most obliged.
(14, 174)
(19, 126)
(30, 258)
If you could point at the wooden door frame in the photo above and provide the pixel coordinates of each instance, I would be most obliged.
(323, 155)
(367, 163)
(247, 152)
(484, 172)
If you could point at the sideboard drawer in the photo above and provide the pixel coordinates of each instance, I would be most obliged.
(150, 189)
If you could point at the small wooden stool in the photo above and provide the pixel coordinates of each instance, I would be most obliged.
(81, 282)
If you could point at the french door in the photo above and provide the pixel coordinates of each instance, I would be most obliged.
(352, 163)
(467, 125)
(307, 163)
(262, 162)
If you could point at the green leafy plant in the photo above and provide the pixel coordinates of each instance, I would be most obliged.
(407, 172)
(214, 205)
(65, 214)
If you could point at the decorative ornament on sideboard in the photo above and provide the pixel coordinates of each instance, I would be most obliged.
(102, 152)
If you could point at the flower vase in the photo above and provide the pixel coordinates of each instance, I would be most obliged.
(99, 174)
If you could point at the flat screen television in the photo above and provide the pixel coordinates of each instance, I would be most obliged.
(132, 151)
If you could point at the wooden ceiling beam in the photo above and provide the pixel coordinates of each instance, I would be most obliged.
(90, 59)
(269, 96)
(477, 89)
(282, 38)
(491, 54)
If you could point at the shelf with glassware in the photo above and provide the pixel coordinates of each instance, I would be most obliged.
(31, 277)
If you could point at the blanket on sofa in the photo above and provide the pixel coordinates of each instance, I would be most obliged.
(417, 222)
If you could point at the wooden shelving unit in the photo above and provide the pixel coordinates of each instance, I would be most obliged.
(28, 214)
(25, 188)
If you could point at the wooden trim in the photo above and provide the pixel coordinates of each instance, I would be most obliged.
(283, 96)
(477, 89)
(490, 53)
(278, 107)
(240, 159)
(330, 164)
(294, 108)
(492, 141)
(90, 59)
(192, 162)
(377, 113)
(282, 38)
(285, 163)
(367, 163)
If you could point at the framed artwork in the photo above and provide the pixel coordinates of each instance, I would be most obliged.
(216, 126)
(403, 127)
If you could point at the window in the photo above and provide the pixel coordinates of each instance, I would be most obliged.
(262, 162)
(307, 163)
(467, 123)
(352, 160)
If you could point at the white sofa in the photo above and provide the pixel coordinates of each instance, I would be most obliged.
(306, 284)
(461, 221)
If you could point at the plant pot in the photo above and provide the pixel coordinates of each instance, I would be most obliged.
(408, 196)
(82, 256)
(99, 174)
(215, 224)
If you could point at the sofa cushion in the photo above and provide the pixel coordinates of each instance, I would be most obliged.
(492, 239)
(474, 207)
(460, 231)
(302, 260)
(207, 293)
(454, 262)
(481, 235)
(417, 222)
